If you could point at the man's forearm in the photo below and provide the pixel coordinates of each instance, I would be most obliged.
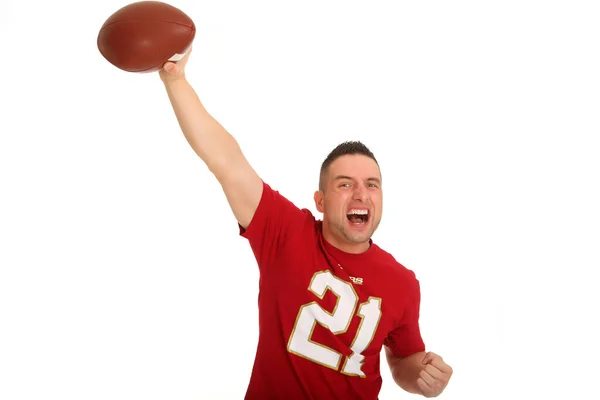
(209, 140)
(405, 371)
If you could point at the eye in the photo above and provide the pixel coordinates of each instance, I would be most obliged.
(346, 184)
(373, 185)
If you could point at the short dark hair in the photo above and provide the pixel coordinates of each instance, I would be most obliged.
(343, 149)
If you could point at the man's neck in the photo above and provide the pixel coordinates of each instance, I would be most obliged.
(343, 244)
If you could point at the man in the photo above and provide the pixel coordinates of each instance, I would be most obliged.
(330, 298)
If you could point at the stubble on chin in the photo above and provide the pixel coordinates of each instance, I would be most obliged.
(354, 238)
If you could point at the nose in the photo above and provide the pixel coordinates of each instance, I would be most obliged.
(360, 193)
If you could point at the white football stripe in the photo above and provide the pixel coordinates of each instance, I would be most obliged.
(177, 57)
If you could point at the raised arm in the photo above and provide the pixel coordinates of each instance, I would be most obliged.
(213, 144)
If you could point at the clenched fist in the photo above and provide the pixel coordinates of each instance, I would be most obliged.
(435, 375)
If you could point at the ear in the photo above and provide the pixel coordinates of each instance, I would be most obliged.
(319, 201)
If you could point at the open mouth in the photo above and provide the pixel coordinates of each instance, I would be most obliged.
(358, 217)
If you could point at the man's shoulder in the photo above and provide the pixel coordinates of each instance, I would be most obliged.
(389, 259)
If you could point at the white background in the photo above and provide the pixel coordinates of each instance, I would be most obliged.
(122, 275)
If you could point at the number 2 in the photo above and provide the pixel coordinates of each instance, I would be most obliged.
(338, 321)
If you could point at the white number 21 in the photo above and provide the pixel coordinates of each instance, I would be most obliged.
(337, 322)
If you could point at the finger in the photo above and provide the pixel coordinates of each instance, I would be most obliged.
(436, 360)
(429, 356)
(431, 387)
(434, 372)
(173, 69)
(169, 67)
(426, 390)
(438, 380)
(428, 378)
(438, 363)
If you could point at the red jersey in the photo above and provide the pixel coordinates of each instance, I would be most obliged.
(324, 314)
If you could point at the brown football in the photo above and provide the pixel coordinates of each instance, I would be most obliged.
(142, 36)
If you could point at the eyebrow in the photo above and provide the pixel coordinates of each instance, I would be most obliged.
(340, 177)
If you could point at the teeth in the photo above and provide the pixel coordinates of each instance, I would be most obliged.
(359, 212)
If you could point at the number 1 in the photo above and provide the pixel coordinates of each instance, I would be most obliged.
(337, 322)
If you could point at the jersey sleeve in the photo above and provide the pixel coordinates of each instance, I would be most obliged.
(406, 339)
(274, 222)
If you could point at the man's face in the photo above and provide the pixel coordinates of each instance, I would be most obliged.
(352, 201)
